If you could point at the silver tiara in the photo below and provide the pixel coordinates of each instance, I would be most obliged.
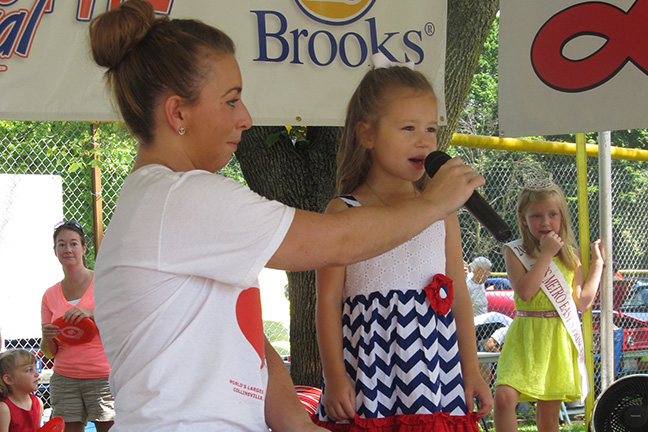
(533, 177)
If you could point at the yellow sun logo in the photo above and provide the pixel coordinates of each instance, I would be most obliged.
(335, 12)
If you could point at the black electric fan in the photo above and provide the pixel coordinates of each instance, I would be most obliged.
(623, 406)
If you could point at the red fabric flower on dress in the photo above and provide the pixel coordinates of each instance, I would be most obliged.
(440, 293)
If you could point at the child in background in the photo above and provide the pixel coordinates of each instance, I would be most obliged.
(20, 409)
(542, 359)
(396, 349)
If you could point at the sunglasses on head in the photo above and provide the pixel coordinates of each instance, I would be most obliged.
(69, 224)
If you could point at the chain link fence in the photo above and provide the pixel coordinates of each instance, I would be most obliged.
(67, 149)
(62, 149)
(503, 171)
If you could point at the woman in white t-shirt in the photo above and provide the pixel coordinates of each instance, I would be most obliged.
(176, 292)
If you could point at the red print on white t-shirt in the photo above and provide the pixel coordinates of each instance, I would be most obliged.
(248, 316)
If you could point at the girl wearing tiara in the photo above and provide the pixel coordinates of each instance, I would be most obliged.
(543, 358)
(396, 332)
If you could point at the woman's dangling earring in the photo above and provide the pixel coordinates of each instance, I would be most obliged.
(181, 130)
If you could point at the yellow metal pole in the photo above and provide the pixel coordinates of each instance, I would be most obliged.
(97, 203)
(583, 235)
(551, 147)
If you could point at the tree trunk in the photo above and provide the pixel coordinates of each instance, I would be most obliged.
(306, 367)
(305, 178)
(299, 177)
(469, 23)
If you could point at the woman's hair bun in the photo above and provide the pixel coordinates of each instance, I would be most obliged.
(115, 33)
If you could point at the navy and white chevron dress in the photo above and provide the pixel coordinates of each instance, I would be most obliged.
(401, 354)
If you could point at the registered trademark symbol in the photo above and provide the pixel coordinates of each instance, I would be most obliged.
(429, 29)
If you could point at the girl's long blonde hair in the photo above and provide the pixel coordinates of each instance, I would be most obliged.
(9, 362)
(531, 244)
(367, 105)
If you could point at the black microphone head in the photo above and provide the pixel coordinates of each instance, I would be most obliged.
(434, 160)
(476, 205)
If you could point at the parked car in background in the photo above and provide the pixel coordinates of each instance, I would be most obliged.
(635, 303)
(635, 339)
(622, 288)
(630, 309)
(499, 294)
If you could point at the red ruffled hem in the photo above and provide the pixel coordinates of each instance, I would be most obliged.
(437, 422)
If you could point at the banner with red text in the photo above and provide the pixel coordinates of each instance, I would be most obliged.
(300, 59)
(570, 66)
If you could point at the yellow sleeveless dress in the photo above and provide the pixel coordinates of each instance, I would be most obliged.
(538, 358)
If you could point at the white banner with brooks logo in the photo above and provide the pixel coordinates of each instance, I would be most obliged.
(300, 59)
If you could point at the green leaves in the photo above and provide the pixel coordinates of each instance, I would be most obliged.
(296, 134)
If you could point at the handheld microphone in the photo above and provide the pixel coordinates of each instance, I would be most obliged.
(476, 205)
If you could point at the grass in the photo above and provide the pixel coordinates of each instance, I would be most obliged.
(574, 427)
(526, 422)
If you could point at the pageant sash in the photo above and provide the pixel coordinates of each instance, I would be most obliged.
(555, 287)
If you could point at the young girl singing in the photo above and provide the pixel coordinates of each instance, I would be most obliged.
(396, 332)
(20, 409)
(543, 358)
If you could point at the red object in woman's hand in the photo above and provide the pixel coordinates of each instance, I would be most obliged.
(76, 334)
